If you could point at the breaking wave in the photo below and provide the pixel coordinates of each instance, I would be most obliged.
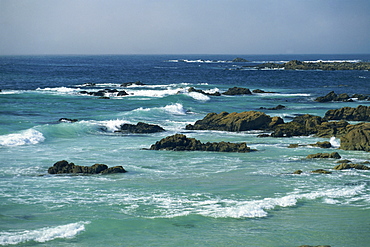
(26, 137)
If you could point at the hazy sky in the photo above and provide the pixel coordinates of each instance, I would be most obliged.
(184, 26)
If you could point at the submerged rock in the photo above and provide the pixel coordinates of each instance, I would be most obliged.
(251, 120)
(180, 142)
(68, 120)
(136, 83)
(63, 166)
(321, 171)
(140, 128)
(333, 155)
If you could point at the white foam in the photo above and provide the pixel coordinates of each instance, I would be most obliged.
(59, 89)
(113, 125)
(42, 235)
(155, 93)
(175, 109)
(335, 142)
(25, 137)
(199, 96)
(333, 61)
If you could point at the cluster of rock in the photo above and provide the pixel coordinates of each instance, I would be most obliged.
(230, 92)
(102, 93)
(343, 164)
(62, 167)
(136, 83)
(332, 96)
(180, 142)
(140, 128)
(360, 113)
(299, 65)
(353, 137)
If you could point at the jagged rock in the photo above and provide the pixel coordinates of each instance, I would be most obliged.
(327, 98)
(300, 126)
(329, 129)
(251, 120)
(63, 166)
(360, 113)
(333, 155)
(344, 166)
(192, 89)
(237, 91)
(180, 142)
(68, 120)
(122, 93)
(321, 171)
(357, 138)
(140, 127)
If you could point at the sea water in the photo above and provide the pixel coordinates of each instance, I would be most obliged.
(170, 198)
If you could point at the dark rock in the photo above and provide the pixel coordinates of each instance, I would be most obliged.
(179, 142)
(293, 145)
(122, 93)
(63, 166)
(344, 166)
(297, 172)
(356, 138)
(324, 144)
(333, 155)
(141, 128)
(321, 171)
(237, 91)
(343, 161)
(136, 83)
(361, 97)
(329, 129)
(260, 91)
(279, 107)
(240, 60)
(103, 97)
(360, 113)
(68, 120)
(251, 120)
(192, 89)
(327, 98)
(263, 135)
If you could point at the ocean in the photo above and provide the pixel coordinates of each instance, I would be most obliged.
(172, 198)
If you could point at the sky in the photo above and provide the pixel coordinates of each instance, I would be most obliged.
(40, 27)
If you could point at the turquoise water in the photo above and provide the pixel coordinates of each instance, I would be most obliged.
(171, 198)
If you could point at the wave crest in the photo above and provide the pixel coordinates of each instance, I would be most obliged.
(30, 136)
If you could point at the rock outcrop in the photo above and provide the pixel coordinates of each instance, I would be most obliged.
(105, 92)
(240, 60)
(333, 155)
(332, 96)
(356, 138)
(140, 128)
(250, 120)
(180, 142)
(63, 166)
(299, 65)
(136, 83)
(360, 113)
(237, 91)
(192, 89)
(345, 166)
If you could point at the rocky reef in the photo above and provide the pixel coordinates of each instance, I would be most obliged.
(180, 142)
(63, 166)
(251, 120)
(299, 65)
(332, 96)
(237, 91)
(333, 155)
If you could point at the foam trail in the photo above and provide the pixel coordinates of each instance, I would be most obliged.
(199, 96)
(42, 235)
(175, 109)
(29, 136)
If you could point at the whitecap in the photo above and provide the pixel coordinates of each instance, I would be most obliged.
(42, 235)
(59, 89)
(175, 109)
(113, 125)
(30, 136)
(199, 96)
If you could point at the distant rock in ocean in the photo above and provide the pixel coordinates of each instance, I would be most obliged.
(240, 60)
(140, 128)
(63, 166)
(237, 91)
(180, 142)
